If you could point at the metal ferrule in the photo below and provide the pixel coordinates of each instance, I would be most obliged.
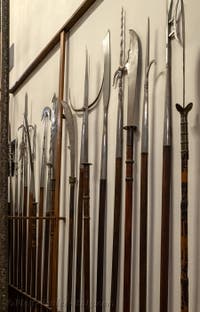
(84, 138)
(167, 120)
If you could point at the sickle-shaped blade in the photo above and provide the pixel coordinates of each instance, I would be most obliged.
(70, 124)
(132, 69)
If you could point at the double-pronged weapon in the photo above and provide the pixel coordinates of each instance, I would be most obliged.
(118, 172)
(31, 259)
(132, 71)
(184, 110)
(83, 207)
(49, 224)
(46, 115)
(103, 177)
(84, 202)
(144, 183)
(70, 129)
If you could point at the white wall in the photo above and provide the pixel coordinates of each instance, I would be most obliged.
(32, 26)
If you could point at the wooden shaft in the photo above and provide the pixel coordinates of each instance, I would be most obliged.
(128, 218)
(184, 236)
(33, 252)
(165, 221)
(19, 252)
(46, 262)
(24, 238)
(79, 242)
(100, 246)
(57, 168)
(51, 277)
(116, 234)
(143, 233)
(28, 268)
(70, 248)
(15, 251)
(86, 236)
(40, 244)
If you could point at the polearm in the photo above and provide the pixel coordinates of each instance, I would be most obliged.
(86, 193)
(84, 206)
(103, 177)
(20, 209)
(46, 115)
(10, 208)
(70, 129)
(23, 147)
(166, 174)
(49, 226)
(144, 184)
(83, 203)
(31, 259)
(132, 71)
(184, 110)
(118, 175)
(15, 221)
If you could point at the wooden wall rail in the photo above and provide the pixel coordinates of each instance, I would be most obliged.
(54, 41)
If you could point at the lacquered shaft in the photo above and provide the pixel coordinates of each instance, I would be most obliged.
(165, 219)
(143, 233)
(86, 231)
(79, 242)
(116, 234)
(70, 246)
(24, 231)
(100, 246)
(40, 244)
(128, 218)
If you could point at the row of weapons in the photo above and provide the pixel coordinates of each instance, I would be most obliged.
(26, 234)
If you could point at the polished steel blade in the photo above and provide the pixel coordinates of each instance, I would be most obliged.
(84, 134)
(106, 82)
(132, 70)
(70, 125)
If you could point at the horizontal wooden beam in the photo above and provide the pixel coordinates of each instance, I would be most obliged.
(54, 41)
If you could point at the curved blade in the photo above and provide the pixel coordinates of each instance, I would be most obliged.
(132, 69)
(70, 124)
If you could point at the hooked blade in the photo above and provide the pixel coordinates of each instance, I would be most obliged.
(70, 124)
(132, 69)
(106, 81)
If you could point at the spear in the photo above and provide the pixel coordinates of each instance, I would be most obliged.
(166, 172)
(184, 110)
(46, 115)
(49, 224)
(118, 172)
(70, 128)
(31, 260)
(103, 177)
(132, 70)
(144, 183)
